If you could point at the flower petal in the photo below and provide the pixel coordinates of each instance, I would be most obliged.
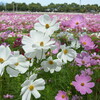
(36, 94)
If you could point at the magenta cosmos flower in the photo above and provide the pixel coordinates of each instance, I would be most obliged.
(78, 21)
(82, 84)
(87, 42)
(62, 95)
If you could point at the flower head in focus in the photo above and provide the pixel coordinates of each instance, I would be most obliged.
(17, 64)
(67, 54)
(87, 42)
(78, 21)
(82, 84)
(51, 65)
(31, 86)
(37, 44)
(46, 25)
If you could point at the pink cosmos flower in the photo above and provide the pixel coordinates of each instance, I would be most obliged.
(62, 95)
(4, 35)
(8, 96)
(5, 44)
(19, 35)
(87, 72)
(12, 34)
(83, 59)
(87, 42)
(82, 84)
(78, 21)
(75, 97)
(95, 59)
(64, 25)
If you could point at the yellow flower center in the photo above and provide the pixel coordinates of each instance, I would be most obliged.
(77, 23)
(63, 96)
(31, 87)
(41, 44)
(65, 51)
(82, 84)
(47, 26)
(84, 43)
(83, 62)
(16, 64)
(50, 62)
(29, 58)
(1, 60)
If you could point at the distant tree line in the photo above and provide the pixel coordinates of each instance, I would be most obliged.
(37, 7)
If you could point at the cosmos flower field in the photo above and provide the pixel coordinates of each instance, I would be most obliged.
(49, 56)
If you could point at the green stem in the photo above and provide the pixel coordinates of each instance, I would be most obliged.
(0, 88)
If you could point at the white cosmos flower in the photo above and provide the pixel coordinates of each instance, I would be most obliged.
(17, 64)
(31, 86)
(75, 44)
(37, 44)
(46, 25)
(96, 34)
(51, 65)
(67, 54)
(5, 53)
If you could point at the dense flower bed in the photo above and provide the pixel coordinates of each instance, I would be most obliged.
(58, 54)
(25, 22)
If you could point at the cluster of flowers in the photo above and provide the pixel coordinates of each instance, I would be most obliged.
(89, 23)
(82, 84)
(39, 46)
(17, 22)
(25, 22)
(8, 34)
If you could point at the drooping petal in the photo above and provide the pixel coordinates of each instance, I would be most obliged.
(29, 96)
(36, 94)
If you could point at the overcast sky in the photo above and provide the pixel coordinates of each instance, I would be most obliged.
(46, 2)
